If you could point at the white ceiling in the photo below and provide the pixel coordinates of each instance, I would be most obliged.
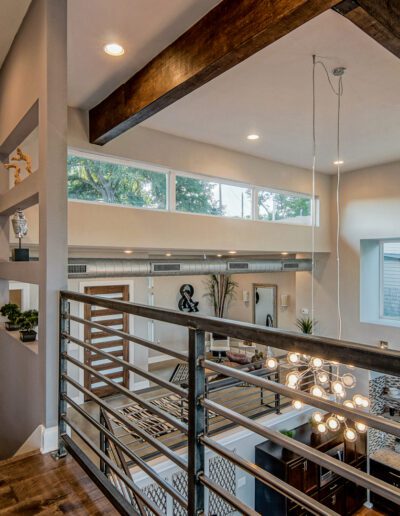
(142, 27)
(270, 94)
(12, 13)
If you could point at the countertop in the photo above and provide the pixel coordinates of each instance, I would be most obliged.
(388, 457)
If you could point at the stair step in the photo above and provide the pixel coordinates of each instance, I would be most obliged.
(16, 458)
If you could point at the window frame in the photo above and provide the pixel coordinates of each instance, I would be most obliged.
(382, 316)
(172, 174)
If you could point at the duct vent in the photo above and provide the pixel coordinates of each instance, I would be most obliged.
(77, 268)
(290, 265)
(166, 267)
(238, 266)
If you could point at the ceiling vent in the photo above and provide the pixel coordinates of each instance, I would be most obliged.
(166, 267)
(290, 265)
(77, 268)
(238, 266)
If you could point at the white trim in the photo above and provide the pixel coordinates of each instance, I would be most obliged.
(385, 320)
(49, 441)
(160, 358)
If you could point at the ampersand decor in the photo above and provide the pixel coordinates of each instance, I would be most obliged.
(186, 303)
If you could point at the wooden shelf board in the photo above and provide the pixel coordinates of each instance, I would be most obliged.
(26, 272)
(23, 195)
(12, 338)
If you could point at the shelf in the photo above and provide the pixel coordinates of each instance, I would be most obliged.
(12, 338)
(23, 195)
(23, 128)
(25, 272)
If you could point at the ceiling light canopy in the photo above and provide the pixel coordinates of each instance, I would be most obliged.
(253, 137)
(114, 49)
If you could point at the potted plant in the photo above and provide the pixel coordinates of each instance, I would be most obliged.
(27, 322)
(12, 312)
(306, 325)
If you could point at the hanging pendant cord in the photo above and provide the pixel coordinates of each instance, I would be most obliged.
(338, 92)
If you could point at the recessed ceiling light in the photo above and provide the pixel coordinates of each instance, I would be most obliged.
(253, 136)
(168, 254)
(128, 251)
(114, 49)
(232, 252)
(219, 255)
(284, 253)
(340, 162)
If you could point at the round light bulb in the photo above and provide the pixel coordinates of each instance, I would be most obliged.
(349, 380)
(342, 419)
(361, 427)
(297, 404)
(358, 400)
(322, 428)
(337, 387)
(292, 379)
(333, 424)
(323, 377)
(365, 402)
(348, 403)
(317, 363)
(293, 358)
(271, 363)
(317, 417)
(350, 435)
(317, 391)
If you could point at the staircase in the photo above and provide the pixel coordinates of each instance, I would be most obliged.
(33, 483)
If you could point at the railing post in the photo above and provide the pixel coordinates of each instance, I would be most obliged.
(196, 423)
(104, 468)
(62, 384)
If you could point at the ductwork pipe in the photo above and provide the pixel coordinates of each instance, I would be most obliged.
(108, 268)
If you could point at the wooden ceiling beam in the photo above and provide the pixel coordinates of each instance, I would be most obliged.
(380, 19)
(227, 35)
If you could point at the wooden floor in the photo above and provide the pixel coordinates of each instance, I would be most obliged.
(37, 484)
(369, 512)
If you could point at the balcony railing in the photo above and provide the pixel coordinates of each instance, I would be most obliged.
(99, 433)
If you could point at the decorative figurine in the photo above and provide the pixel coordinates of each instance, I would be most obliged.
(17, 175)
(20, 227)
(22, 156)
(19, 156)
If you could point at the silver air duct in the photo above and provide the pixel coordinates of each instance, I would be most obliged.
(107, 268)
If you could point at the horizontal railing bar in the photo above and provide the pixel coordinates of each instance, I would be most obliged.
(360, 355)
(140, 462)
(267, 478)
(371, 420)
(129, 394)
(231, 499)
(122, 505)
(127, 336)
(322, 459)
(158, 445)
(128, 481)
(127, 365)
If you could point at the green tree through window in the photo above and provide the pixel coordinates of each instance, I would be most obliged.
(197, 196)
(94, 180)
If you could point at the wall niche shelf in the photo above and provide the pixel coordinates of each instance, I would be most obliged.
(24, 195)
(25, 272)
(12, 338)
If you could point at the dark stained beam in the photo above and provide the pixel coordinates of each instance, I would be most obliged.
(227, 35)
(380, 19)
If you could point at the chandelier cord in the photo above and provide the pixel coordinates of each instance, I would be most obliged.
(338, 92)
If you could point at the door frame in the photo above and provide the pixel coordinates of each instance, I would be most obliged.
(104, 283)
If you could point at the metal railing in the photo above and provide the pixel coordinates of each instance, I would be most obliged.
(90, 431)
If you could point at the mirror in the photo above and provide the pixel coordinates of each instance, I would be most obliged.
(264, 303)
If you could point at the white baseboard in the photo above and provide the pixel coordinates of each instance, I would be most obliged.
(49, 441)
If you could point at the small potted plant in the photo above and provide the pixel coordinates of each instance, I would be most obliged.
(27, 322)
(12, 312)
(306, 325)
